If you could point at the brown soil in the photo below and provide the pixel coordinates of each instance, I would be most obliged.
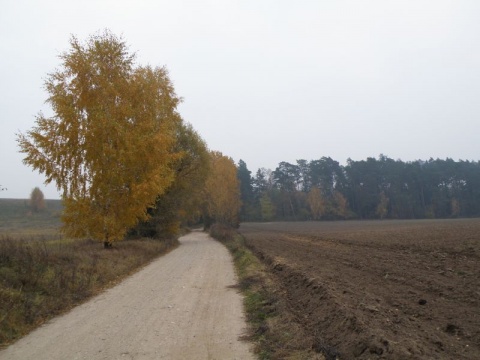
(379, 289)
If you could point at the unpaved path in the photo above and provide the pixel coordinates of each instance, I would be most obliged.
(178, 307)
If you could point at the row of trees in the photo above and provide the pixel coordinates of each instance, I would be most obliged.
(366, 189)
(126, 162)
(117, 149)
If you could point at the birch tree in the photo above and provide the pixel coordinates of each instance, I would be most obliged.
(108, 145)
(222, 190)
(316, 203)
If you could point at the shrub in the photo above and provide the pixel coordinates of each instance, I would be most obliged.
(222, 232)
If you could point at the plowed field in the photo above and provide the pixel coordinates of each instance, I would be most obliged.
(379, 289)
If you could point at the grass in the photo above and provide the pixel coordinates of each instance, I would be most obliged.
(43, 275)
(18, 220)
(42, 278)
(275, 334)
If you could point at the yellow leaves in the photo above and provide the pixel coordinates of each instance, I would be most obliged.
(222, 190)
(341, 205)
(182, 201)
(316, 203)
(109, 145)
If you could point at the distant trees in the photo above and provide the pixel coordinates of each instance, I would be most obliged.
(267, 209)
(366, 189)
(109, 147)
(340, 205)
(247, 210)
(287, 184)
(37, 200)
(316, 203)
(382, 207)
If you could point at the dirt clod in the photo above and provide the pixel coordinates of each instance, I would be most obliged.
(452, 329)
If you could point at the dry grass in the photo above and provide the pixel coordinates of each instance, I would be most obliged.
(43, 278)
(42, 274)
(19, 221)
(272, 328)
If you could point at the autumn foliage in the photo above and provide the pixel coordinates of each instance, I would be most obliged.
(316, 203)
(108, 146)
(222, 191)
(181, 203)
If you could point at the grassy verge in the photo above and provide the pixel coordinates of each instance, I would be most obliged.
(41, 278)
(271, 327)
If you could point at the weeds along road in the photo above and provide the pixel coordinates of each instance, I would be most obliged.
(178, 307)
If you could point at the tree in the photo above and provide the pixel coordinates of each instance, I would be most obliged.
(267, 208)
(222, 191)
(382, 207)
(181, 202)
(288, 180)
(108, 146)
(263, 181)
(316, 203)
(325, 173)
(305, 183)
(365, 182)
(246, 190)
(37, 200)
(287, 177)
(340, 205)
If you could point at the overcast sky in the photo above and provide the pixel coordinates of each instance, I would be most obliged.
(269, 81)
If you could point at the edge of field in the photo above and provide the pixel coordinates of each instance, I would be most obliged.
(48, 278)
(271, 326)
(43, 274)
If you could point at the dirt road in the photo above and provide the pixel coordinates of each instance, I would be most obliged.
(178, 307)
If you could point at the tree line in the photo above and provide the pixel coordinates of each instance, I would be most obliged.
(127, 164)
(116, 147)
(367, 189)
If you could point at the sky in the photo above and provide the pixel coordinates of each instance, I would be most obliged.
(268, 81)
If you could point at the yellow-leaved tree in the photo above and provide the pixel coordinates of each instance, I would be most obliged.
(108, 146)
(316, 203)
(222, 191)
(340, 205)
(181, 203)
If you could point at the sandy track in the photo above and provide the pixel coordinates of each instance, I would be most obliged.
(178, 307)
